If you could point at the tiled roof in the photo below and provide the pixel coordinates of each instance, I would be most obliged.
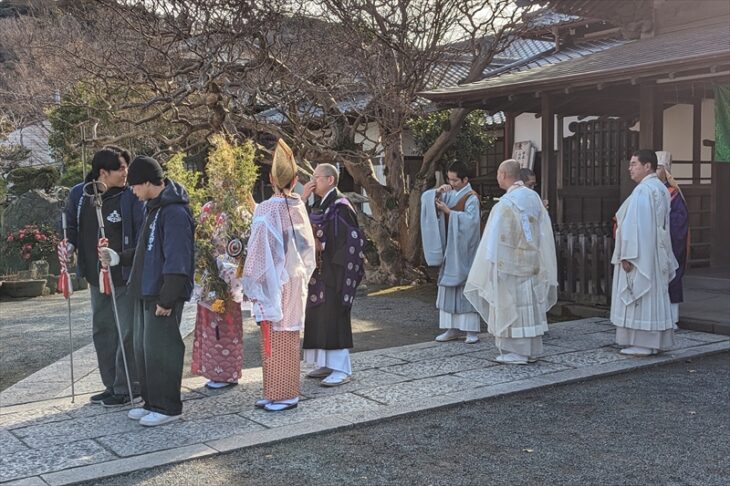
(582, 49)
(524, 48)
(454, 73)
(348, 104)
(615, 57)
(446, 75)
(548, 18)
(577, 51)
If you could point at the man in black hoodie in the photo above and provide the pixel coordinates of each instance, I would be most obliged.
(161, 280)
(122, 213)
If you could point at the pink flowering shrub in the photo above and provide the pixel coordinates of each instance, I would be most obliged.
(31, 243)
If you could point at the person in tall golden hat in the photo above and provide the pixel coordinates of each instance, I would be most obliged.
(279, 263)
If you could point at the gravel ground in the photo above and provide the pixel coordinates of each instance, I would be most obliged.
(34, 333)
(667, 425)
(391, 317)
(39, 327)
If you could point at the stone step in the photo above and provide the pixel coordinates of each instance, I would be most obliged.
(701, 282)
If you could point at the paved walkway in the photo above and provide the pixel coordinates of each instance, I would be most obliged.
(56, 442)
(706, 304)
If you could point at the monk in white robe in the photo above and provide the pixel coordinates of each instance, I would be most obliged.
(279, 263)
(513, 281)
(450, 233)
(643, 263)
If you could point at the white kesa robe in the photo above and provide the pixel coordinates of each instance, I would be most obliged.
(458, 241)
(640, 305)
(279, 263)
(513, 281)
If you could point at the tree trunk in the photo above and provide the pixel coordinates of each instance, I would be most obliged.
(412, 247)
(392, 140)
(383, 227)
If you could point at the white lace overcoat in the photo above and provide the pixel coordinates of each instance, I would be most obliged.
(279, 263)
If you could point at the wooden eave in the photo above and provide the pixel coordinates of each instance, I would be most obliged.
(640, 73)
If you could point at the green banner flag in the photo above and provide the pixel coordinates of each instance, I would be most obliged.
(722, 123)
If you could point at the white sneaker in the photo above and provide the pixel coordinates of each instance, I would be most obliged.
(512, 358)
(137, 413)
(471, 337)
(153, 418)
(638, 351)
(449, 335)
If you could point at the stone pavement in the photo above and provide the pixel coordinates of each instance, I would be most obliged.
(56, 442)
(706, 304)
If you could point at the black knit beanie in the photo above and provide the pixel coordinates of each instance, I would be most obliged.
(144, 169)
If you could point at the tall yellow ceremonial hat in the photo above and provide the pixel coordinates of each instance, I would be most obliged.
(284, 167)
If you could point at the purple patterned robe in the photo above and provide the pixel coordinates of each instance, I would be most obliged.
(679, 231)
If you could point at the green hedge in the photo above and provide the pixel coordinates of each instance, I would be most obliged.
(26, 179)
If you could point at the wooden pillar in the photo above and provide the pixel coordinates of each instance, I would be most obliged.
(509, 134)
(657, 142)
(548, 162)
(560, 209)
(651, 116)
(720, 216)
(651, 124)
(696, 141)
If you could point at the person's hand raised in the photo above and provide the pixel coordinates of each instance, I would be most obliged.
(308, 189)
(444, 188)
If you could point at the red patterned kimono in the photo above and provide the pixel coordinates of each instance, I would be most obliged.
(218, 344)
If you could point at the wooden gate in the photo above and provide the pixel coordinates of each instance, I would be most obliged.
(697, 190)
(699, 201)
(591, 160)
(584, 262)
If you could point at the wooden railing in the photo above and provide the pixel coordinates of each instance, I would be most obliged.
(584, 262)
(695, 168)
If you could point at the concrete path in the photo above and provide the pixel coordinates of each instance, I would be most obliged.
(56, 442)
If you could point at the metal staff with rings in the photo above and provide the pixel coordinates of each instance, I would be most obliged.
(94, 191)
(66, 288)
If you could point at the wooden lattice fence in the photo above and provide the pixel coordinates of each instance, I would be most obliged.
(584, 262)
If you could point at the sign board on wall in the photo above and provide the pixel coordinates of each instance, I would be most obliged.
(524, 153)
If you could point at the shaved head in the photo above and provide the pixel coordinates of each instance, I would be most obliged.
(511, 169)
(508, 173)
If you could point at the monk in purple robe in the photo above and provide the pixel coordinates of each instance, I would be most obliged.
(678, 230)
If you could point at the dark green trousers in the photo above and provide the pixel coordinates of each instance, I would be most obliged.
(160, 351)
(106, 339)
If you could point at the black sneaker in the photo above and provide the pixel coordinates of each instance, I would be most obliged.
(98, 398)
(119, 400)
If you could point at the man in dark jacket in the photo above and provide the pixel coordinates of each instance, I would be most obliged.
(122, 213)
(161, 281)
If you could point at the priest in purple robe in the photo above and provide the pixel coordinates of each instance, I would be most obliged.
(678, 229)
